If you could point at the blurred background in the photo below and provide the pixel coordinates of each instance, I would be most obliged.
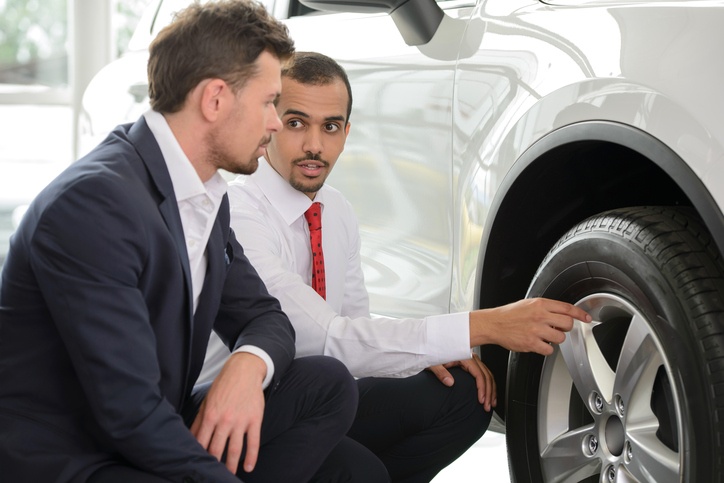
(49, 50)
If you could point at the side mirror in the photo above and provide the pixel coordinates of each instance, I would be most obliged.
(417, 20)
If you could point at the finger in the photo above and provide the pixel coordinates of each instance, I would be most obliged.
(471, 367)
(443, 375)
(218, 442)
(485, 383)
(495, 391)
(542, 347)
(569, 310)
(490, 389)
(474, 369)
(234, 448)
(553, 335)
(253, 438)
(201, 431)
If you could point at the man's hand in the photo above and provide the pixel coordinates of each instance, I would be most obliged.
(529, 325)
(487, 391)
(233, 408)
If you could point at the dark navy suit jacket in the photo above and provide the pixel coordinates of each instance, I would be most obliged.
(99, 349)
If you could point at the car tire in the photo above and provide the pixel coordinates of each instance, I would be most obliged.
(638, 394)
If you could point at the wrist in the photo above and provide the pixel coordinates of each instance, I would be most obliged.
(248, 364)
(480, 330)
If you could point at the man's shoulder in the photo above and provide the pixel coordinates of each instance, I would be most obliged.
(333, 198)
(243, 191)
(246, 200)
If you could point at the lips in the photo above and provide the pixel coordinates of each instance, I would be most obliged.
(311, 168)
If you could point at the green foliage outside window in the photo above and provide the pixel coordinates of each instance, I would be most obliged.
(33, 42)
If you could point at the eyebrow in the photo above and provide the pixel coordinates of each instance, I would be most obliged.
(294, 112)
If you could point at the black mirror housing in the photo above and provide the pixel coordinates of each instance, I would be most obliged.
(417, 20)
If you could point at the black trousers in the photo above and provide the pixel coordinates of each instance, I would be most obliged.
(305, 418)
(407, 430)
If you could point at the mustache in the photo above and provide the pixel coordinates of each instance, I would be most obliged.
(265, 140)
(311, 157)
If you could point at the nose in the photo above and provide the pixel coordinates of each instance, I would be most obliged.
(274, 124)
(312, 142)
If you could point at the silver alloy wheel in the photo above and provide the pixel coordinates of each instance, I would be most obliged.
(621, 443)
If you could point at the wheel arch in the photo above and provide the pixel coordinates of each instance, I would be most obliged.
(574, 172)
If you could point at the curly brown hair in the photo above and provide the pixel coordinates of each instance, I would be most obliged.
(216, 40)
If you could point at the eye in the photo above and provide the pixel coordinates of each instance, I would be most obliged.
(294, 123)
(331, 127)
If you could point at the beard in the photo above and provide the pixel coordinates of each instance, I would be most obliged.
(222, 159)
(306, 185)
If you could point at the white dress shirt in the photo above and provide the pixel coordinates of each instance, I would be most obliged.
(198, 205)
(267, 215)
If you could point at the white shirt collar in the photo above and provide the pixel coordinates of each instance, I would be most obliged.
(288, 201)
(185, 179)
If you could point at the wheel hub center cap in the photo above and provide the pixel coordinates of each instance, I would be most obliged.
(615, 436)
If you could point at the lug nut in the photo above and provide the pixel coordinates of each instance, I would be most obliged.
(619, 405)
(590, 445)
(611, 474)
(597, 401)
(628, 455)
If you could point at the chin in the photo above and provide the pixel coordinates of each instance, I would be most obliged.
(247, 168)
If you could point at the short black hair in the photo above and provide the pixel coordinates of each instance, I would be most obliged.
(313, 68)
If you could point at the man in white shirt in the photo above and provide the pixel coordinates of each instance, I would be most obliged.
(414, 424)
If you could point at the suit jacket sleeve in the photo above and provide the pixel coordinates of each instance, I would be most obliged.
(249, 315)
(89, 253)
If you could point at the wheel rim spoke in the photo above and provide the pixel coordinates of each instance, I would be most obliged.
(652, 460)
(585, 362)
(564, 460)
(637, 366)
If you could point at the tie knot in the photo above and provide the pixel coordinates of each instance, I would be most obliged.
(313, 215)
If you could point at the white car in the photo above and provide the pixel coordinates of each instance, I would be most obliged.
(570, 149)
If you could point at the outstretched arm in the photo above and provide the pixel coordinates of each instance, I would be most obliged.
(529, 325)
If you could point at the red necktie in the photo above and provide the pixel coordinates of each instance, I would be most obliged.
(314, 217)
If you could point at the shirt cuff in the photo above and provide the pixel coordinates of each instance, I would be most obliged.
(450, 334)
(251, 349)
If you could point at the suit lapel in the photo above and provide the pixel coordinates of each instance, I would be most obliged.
(150, 154)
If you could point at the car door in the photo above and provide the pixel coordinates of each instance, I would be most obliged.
(397, 168)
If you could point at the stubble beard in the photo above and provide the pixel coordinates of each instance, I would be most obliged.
(222, 160)
(300, 185)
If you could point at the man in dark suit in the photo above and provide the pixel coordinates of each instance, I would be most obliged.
(124, 264)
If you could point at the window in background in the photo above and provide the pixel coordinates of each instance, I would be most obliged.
(126, 14)
(33, 46)
(35, 115)
(36, 92)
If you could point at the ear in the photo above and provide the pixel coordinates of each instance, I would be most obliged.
(213, 93)
(346, 129)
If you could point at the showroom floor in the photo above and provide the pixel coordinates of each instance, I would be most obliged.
(486, 460)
